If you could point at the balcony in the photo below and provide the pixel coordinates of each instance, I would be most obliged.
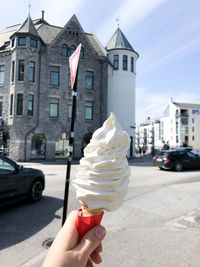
(182, 113)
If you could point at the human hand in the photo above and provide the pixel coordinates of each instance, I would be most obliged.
(65, 252)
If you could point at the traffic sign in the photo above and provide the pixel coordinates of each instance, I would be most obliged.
(73, 64)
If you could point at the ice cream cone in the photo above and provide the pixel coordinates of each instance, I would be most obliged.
(87, 212)
(87, 219)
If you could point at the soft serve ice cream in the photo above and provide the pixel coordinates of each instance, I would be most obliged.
(103, 173)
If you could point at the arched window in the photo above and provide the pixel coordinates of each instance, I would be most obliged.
(62, 145)
(64, 50)
(72, 49)
(38, 146)
(82, 53)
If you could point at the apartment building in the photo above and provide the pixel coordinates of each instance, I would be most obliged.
(179, 126)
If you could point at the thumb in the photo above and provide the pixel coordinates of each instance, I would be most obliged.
(91, 240)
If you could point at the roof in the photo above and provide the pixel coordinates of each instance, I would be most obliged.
(47, 32)
(9, 31)
(28, 27)
(97, 45)
(119, 41)
(186, 105)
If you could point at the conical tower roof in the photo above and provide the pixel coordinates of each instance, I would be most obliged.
(28, 27)
(119, 41)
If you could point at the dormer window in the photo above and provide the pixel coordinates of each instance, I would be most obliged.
(7, 43)
(64, 50)
(22, 41)
(33, 43)
(13, 42)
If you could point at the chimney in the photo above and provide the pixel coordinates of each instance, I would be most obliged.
(42, 14)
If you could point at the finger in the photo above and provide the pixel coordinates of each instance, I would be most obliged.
(96, 257)
(99, 248)
(67, 237)
(89, 263)
(91, 241)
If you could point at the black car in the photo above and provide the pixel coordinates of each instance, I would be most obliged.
(17, 182)
(177, 160)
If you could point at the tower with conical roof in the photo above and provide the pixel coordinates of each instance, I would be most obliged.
(121, 83)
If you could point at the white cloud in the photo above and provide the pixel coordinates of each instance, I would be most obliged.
(186, 49)
(129, 14)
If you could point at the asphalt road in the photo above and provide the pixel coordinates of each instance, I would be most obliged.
(158, 225)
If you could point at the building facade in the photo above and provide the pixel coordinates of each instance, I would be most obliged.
(121, 83)
(180, 126)
(35, 88)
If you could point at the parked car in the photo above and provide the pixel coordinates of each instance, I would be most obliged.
(178, 160)
(17, 182)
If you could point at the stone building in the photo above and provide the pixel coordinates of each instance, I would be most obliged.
(35, 89)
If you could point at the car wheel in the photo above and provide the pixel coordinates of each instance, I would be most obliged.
(36, 191)
(178, 167)
(160, 168)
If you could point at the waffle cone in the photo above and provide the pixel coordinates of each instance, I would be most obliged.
(87, 212)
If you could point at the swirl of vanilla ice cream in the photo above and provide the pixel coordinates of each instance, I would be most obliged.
(103, 173)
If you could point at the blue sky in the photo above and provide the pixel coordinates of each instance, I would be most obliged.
(165, 33)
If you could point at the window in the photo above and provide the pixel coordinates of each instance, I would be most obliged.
(54, 75)
(116, 62)
(192, 129)
(21, 41)
(195, 111)
(124, 62)
(177, 139)
(69, 80)
(2, 69)
(6, 167)
(176, 125)
(13, 71)
(21, 70)
(31, 71)
(11, 104)
(82, 53)
(184, 130)
(19, 104)
(33, 43)
(53, 107)
(30, 104)
(72, 49)
(88, 110)
(64, 50)
(1, 106)
(69, 111)
(89, 80)
(13, 42)
(193, 138)
(184, 121)
(132, 64)
(192, 120)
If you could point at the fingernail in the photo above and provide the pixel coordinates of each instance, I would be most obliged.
(100, 232)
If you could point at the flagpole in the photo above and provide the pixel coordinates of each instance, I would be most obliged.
(71, 142)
